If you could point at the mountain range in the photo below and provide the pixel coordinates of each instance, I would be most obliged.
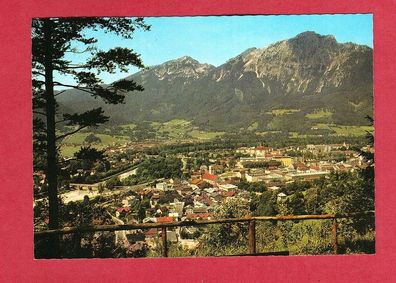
(290, 85)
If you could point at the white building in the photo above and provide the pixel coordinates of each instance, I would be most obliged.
(227, 187)
(281, 196)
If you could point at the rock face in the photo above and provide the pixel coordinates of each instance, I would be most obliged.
(184, 68)
(307, 64)
(307, 73)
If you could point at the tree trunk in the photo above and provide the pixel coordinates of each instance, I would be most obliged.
(52, 173)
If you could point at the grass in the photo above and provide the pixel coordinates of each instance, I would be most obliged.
(280, 112)
(202, 135)
(294, 135)
(176, 128)
(319, 113)
(253, 126)
(267, 133)
(177, 122)
(73, 143)
(130, 126)
(351, 130)
(78, 139)
(345, 130)
(68, 150)
(155, 125)
(322, 126)
(179, 128)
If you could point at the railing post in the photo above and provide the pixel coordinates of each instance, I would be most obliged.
(164, 242)
(335, 243)
(252, 236)
(77, 242)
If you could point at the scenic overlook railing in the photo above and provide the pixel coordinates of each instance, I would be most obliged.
(250, 220)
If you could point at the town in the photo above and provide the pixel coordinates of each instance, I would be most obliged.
(192, 185)
(181, 157)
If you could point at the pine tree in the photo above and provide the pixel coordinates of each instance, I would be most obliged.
(52, 40)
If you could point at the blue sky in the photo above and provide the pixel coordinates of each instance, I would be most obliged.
(216, 39)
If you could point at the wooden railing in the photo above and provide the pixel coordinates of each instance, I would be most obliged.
(250, 220)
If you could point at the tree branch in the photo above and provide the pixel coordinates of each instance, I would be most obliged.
(68, 160)
(82, 88)
(61, 121)
(70, 133)
(40, 113)
(58, 148)
(66, 85)
(75, 67)
(38, 73)
(60, 92)
(75, 51)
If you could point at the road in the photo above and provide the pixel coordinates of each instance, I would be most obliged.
(78, 195)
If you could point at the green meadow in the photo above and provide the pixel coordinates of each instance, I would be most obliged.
(72, 143)
(319, 113)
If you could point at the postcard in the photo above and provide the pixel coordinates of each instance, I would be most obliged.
(207, 140)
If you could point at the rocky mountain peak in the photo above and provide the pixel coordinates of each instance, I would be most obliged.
(307, 72)
(186, 59)
(310, 42)
(312, 36)
(184, 67)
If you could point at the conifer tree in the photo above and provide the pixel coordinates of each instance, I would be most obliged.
(53, 39)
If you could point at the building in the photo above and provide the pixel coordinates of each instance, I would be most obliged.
(163, 186)
(281, 197)
(209, 178)
(255, 176)
(273, 188)
(227, 187)
(285, 160)
(216, 169)
(176, 209)
(307, 175)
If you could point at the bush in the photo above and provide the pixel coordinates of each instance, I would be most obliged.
(91, 138)
(110, 184)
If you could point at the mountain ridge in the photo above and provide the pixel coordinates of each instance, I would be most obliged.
(307, 72)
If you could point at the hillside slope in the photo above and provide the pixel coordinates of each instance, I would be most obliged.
(291, 85)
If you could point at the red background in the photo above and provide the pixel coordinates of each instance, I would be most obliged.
(17, 263)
